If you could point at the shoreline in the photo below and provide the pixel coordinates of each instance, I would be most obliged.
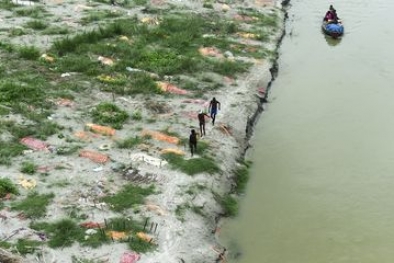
(194, 239)
(255, 115)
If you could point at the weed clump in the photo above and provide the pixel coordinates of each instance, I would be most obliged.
(241, 177)
(109, 114)
(192, 166)
(7, 187)
(34, 205)
(129, 196)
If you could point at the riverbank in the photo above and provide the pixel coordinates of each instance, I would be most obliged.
(182, 215)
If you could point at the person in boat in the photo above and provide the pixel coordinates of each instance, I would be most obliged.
(331, 16)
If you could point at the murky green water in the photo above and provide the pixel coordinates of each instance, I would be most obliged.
(322, 186)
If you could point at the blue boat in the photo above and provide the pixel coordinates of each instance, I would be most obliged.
(334, 30)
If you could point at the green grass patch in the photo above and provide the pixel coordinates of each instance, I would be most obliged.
(192, 166)
(7, 187)
(33, 12)
(128, 197)
(26, 246)
(16, 32)
(130, 142)
(37, 24)
(10, 149)
(109, 114)
(263, 20)
(34, 205)
(241, 177)
(28, 167)
(62, 233)
(100, 15)
(230, 205)
(65, 232)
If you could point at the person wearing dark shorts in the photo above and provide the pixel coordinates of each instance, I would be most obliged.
(201, 119)
(193, 142)
(214, 105)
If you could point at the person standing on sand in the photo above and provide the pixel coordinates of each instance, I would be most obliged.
(193, 142)
(214, 105)
(201, 119)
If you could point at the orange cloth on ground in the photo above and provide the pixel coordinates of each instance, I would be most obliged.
(104, 130)
(94, 156)
(161, 136)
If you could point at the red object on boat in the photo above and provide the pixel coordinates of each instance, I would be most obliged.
(129, 257)
(34, 144)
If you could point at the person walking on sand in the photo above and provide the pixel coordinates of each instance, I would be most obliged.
(214, 105)
(193, 141)
(201, 119)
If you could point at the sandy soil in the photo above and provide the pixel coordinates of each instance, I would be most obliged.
(192, 240)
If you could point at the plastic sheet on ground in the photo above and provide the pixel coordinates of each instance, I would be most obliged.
(247, 35)
(104, 130)
(94, 156)
(161, 136)
(117, 235)
(27, 183)
(173, 150)
(34, 144)
(145, 237)
(244, 18)
(91, 224)
(129, 257)
(210, 52)
(149, 20)
(47, 58)
(155, 208)
(22, 2)
(148, 159)
(171, 88)
(106, 61)
(85, 136)
(64, 102)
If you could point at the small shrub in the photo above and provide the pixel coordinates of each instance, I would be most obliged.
(30, 53)
(37, 24)
(241, 177)
(137, 116)
(130, 142)
(9, 150)
(34, 205)
(25, 246)
(192, 166)
(129, 196)
(28, 168)
(62, 233)
(141, 246)
(7, 187)
(230, 206)
(109, 114)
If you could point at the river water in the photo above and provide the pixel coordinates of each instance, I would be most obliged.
(322, 183)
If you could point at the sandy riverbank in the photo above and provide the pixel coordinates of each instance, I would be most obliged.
(191, 239)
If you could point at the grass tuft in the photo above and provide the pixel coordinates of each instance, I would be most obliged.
(109, 114)
(34, 205)
(7, 187)
(129, 196)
